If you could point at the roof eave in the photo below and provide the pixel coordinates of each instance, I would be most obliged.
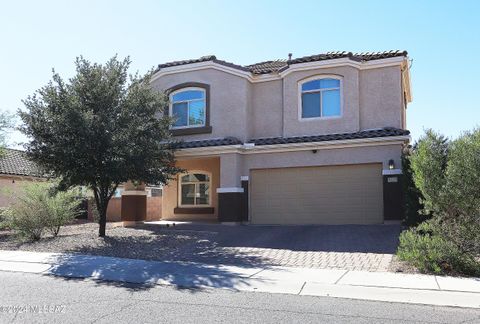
(248, 148)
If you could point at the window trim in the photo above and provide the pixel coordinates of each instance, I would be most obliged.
(319, 77)
(179, 188)
(190, 130)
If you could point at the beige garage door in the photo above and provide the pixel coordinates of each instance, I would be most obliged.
(350, 194)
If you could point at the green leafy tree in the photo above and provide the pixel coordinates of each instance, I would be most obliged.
(429, 164)
(447, 173)
(99, 129)
(414, 209)
(6, 122)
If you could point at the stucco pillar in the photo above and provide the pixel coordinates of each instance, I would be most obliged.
(231, 194)
(230, 168)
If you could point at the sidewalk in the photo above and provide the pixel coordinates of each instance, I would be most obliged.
(381, 286)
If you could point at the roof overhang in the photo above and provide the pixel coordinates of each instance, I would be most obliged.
(249, 148)
(361, 65)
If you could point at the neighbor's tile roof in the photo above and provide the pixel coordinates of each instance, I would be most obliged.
(15, 162)
(274, 66)
(381, 132)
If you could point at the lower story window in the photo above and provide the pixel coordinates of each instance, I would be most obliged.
(195, 189)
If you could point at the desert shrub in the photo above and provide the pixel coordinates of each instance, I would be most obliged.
(27, 214)
(3, 223)
(62, 208)
(39, 207)
(414, 209)
(427, 249)
(447, 174)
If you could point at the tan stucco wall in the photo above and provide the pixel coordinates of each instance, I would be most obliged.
(229, 97)
(10, 185)
(371, 99)
(381, 96)
(234, 165)
(231, 172)
(170, 191)
(342, 156)
(267, 109)
(348, 122)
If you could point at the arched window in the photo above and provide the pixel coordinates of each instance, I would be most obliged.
(321, 97)
(187, 107)
(194, 189)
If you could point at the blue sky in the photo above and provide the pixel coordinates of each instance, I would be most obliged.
(442, 38)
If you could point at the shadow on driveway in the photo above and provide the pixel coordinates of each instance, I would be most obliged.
(327, 238)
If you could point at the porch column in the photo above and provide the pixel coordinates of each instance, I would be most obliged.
(231, 194)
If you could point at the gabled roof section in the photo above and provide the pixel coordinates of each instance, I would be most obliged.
(267, 66)
(15, 162)
(208, 58)
(275, 66)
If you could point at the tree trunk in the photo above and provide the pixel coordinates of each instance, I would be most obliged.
(102, 221)
(102, 197)
(102, 204)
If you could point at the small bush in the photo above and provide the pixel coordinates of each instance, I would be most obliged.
(61, 209)
(28, 214)
(3, 224)
(428, 250)
(38, 207)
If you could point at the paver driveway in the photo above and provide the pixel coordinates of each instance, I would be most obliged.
(352, 247)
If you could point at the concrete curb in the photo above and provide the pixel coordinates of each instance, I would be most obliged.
(380, 286)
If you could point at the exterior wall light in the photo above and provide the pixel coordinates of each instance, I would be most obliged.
(391, 164)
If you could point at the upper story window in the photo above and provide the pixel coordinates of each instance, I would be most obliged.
(195, 189)
(188, 107)
(321, 98)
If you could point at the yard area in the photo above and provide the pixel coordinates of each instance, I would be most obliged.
(352, 247)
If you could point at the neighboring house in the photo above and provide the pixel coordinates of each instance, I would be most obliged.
(15, 171)
(312, 140)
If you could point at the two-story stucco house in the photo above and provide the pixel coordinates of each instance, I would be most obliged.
(312, 140)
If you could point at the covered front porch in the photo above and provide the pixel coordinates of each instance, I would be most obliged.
(209, 190)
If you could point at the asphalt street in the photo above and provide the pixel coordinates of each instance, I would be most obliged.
(35, 298)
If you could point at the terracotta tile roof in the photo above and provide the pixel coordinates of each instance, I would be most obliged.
(267, 67)
(15, 162)
(207, 58)
(373, 133)
(207, 143)
(274, 66)
(381, 132)
(366, 56)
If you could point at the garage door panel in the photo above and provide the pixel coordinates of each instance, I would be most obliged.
(317, 195)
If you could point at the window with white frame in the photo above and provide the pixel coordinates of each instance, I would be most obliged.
(195, 189)
(187, 107)
(321, 98)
